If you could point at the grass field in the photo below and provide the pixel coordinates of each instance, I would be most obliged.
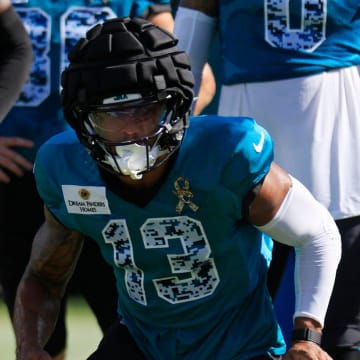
(83, 332)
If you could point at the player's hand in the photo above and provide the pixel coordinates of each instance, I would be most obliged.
(10, 160)
(33, 355)
(306, 350)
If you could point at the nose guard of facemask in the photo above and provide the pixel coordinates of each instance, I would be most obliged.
(133, 159)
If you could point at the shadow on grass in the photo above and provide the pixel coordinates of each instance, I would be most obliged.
(83, 337)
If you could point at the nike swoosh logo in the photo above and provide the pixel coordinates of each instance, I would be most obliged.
(259, 146)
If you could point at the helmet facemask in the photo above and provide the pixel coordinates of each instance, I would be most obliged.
(132, 153)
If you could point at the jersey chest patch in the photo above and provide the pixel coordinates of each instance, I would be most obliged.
(86, 200)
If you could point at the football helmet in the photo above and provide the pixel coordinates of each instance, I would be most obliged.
(128, 70)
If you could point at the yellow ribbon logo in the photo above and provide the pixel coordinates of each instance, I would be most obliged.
(184, 194)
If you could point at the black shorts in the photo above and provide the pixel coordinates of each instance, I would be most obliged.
(342, 323)
(21, 214)
(280, 255)
(119, 344)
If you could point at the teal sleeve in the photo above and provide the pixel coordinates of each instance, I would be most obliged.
(251, 161)
(148, 8)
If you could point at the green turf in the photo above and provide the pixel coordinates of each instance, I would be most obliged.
(83, 331)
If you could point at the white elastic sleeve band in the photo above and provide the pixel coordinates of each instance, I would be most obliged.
(195, 31)
(304, 223)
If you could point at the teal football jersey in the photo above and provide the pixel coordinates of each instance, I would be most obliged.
(54, 27)
(278, 39)
(191, 273)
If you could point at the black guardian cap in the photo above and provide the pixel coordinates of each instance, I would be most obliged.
(125, 63)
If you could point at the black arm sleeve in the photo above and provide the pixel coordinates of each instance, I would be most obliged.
(15, 59)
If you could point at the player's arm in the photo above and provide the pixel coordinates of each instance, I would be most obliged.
(208, 7)
(195, 26)
(4, 5)
(285, 210)
(53, 258)
(16, 56)
(161, 16)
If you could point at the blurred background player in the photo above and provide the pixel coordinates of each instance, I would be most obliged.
(292, 66)
(54, 27)
(15, 57)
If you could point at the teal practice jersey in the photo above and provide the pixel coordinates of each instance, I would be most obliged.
(54, 27)
(278, 39)
(191, 273)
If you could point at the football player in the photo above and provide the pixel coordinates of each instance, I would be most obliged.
(16, 57)
(54, 27)
(293, 66)
(178, 208)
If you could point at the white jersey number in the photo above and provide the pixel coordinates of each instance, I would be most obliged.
(195, 260)
(307, 37)
(73, 25)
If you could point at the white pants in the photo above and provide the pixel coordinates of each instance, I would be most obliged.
(315, 125)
